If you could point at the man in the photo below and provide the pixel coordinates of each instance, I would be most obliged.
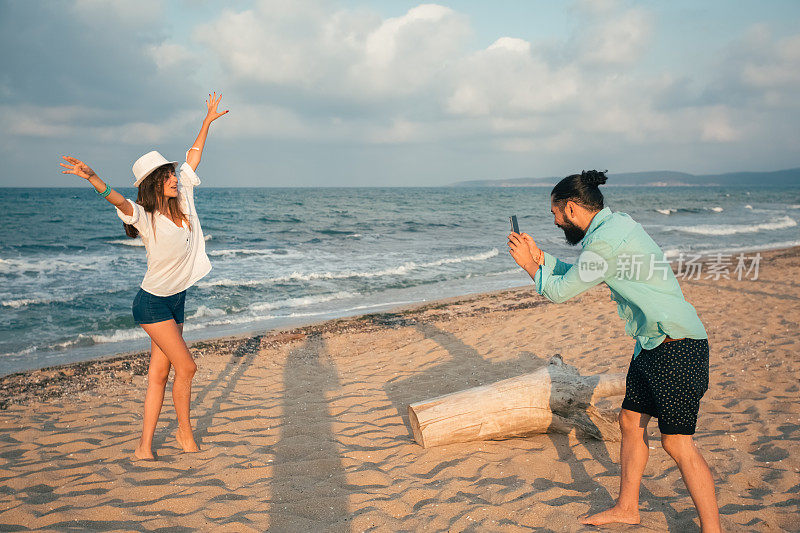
(668, 373)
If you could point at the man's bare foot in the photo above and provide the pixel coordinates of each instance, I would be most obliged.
(615, 514)
(143, 454)
(186, 442)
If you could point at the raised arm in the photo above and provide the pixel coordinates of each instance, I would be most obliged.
(79, 168)
(196, 151)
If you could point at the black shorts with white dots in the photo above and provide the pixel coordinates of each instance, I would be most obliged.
(667, 382)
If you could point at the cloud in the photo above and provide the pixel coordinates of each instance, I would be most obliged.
(411, 69)
(142, 14)
(89, 123)
(769, 67)
(619, 38)
(90, 52)
(716, 126)
(304, 75)
(343, 54)
(171, 56)
(408, 53)
(507, 79)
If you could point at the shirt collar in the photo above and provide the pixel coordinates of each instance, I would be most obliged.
(598, 219)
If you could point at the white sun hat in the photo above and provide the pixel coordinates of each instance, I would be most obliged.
(145, 165)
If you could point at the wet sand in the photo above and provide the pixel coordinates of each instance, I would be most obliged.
(307, 429)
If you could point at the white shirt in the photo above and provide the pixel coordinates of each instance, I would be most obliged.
(176, 256)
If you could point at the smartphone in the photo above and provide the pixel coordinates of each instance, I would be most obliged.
(514, 225)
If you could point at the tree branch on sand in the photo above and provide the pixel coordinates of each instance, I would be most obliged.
(555, 398)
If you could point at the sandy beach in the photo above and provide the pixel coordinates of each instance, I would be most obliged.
(307, 429)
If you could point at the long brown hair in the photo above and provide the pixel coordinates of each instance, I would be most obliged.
(151, 197)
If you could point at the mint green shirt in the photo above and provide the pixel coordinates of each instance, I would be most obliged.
(617, 251)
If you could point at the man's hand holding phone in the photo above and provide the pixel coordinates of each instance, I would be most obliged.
(525, 252)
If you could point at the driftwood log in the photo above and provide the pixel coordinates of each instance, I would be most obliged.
(555, 398)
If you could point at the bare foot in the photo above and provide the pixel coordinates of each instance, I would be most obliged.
(186, 442)
(612, 515)
(142, 454)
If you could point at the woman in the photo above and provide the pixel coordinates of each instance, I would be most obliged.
(165, 217)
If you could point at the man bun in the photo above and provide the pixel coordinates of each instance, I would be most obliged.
(583, 189)
(594, 178)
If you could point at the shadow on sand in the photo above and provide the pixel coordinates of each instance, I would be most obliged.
(467, 368)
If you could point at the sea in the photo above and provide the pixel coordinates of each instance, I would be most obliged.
(289, 256)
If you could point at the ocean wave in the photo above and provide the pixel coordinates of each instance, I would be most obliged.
(671, 253)
(732, 229)
(119, 335)
(138, 241)
(313, 276)
(252, 251)
(127, 242)
(335, 232)
(131, 334)
(204, 311)
(228, 320)
(64, 263)
(21, 303)
(53, 264)
(303, 301)
(505, 272)
(286, 220)
(82, 339)
(24, 302)
(356, 308)
(674, 210)
(449, 261)
(26, 351)
(303, 315)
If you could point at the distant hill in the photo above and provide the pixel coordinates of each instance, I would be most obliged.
(659, 178)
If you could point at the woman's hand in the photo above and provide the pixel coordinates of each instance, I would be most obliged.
(194, 153)
(78, 167)
(212, 103)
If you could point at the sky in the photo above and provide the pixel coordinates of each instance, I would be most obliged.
(398, 93)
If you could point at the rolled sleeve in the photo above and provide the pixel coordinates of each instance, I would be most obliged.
(552, 266)
(187, 176)
(135, 216)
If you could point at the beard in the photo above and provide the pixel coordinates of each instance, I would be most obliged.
(572, 233)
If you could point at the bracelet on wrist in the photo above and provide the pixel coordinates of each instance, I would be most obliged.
(105, 192)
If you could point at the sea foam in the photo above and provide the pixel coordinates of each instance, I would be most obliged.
(732, 229)
(400, 270)
(304, 301)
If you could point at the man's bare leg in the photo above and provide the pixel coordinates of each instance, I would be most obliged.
(697, 477)
(634, 451)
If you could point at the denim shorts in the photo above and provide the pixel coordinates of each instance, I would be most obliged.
(149, 308)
